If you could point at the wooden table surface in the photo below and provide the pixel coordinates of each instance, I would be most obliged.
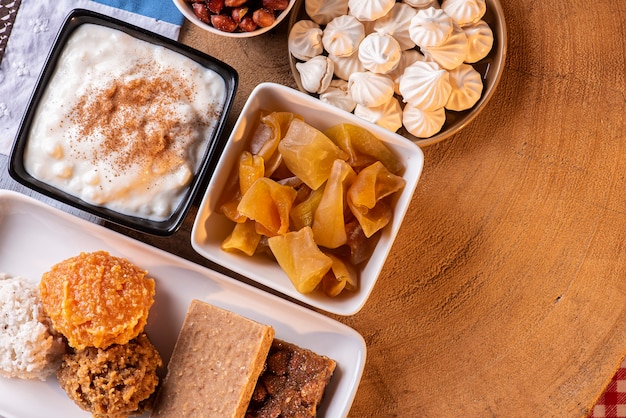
(505, 292)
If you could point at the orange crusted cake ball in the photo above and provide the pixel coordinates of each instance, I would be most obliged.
(96, 299)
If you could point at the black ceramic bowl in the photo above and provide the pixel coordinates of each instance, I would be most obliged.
(206, 164)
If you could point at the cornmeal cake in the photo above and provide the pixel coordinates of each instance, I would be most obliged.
(214, 367)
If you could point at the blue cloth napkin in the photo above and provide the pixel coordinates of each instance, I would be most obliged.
(164, 10)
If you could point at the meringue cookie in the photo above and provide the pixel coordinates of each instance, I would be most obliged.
(316, 73)
(343, 35)
(479, 40)
(430, 27)
(379, 53)
(370, 89)
(367, 10)
(467, 86)
(407, 58)
(322, 11)
(337, 94)
(305, 40)
(422, 4)
(388, 115)
(396, 23)
(452, 52)
(344, 66)
(423, 124)
(464, 12)
(425, 85)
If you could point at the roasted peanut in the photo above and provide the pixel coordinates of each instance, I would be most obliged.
(239, 13)
(215, 6)
(275, 4)
(234, 3)
(223, 23)
(263, 17)
(247, 24)
(201, 11)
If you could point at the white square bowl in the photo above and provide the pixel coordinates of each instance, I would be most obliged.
(211, 227)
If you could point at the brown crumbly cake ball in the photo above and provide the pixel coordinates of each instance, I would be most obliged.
(114, 382)
(292, 384)
(96, 299)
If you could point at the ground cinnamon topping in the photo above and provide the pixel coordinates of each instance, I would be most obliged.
(137, 121)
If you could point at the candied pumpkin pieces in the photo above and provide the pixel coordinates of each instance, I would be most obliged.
(363, 147)
(300, 258)
(269, 133)
(366, 197)
(243, 238)
(329, 224)
(251, 168)
(314, 199)
(302, 214)
(308, 153)
(269, 204)
(340, 276)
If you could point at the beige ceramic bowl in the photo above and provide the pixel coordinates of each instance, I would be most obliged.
(187, 11)
(490, 68)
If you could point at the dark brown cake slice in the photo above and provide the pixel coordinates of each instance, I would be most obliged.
(292, 384)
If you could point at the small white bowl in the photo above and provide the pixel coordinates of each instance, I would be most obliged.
(185, 8)
(211, 227)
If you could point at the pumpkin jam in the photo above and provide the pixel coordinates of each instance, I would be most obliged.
(95, 299)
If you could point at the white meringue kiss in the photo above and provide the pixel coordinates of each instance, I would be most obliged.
(388, 115)
(407, 58)
(344, 66)
(343, 35)
(479, 41)
(425, 85)
(368, 10)
(337, 94)
(370, 89)
(396, 23)
(452, 52)
(464, 12)
(430, 27)
(323, 11)
(316, 73)
(423, 124)
(422, 4)
(467, 86)
(379, 53)
(305, 40)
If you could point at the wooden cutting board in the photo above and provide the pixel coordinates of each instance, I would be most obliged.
(505, 293)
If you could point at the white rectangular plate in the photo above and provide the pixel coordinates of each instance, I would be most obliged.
(34, 236)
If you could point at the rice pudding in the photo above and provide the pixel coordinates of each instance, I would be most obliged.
(124, 123)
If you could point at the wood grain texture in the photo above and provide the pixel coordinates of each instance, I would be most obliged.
(506, 290)
(505, 293)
